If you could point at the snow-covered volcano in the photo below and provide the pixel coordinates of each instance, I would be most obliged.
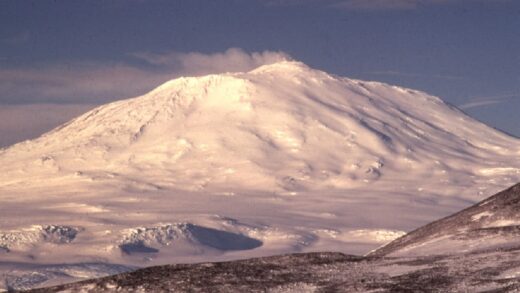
(284, 158)
(280, 127)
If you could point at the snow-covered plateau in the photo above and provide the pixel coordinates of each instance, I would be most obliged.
(277, 160)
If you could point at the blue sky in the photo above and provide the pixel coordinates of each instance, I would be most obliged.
(69, 55)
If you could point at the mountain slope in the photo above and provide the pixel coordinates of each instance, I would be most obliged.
(491, 224)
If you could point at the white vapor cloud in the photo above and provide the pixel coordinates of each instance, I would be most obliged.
(487, 101)
(51, 94)
(232, 60)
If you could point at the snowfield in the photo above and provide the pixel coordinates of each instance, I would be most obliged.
(425, 265)
(280, 159)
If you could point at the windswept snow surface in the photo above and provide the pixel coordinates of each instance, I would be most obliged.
(491, 225)
(281, 159)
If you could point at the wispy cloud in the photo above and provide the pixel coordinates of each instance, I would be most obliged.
(74, 82)
(371, 5)
(294, 2)
(17, 39)
(377, 4)
(487, 101)
(411, 74)
(98, 82)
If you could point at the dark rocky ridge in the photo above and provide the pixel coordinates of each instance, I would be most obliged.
(320, 272)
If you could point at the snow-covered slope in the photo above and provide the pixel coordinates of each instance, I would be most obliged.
(283, 158)
(490, 225)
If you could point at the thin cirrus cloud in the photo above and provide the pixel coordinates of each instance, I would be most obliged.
(35, 100)
(388, 4)
(74, 82)
(365, 5)
(488, 101)
(418, 75)
(17, 39)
